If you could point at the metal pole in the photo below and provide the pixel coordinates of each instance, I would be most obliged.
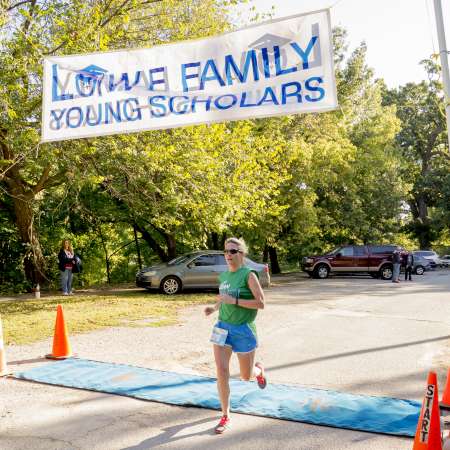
(444, 61)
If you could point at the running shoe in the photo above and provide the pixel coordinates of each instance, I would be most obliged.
(261, 378)
(223, 425)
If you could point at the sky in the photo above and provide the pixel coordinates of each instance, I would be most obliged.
(398, 33)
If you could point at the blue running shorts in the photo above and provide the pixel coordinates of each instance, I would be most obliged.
(241, 338)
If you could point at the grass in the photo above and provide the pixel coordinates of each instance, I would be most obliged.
(25, 322)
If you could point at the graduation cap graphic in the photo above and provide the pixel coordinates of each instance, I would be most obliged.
(92, 71)
(269, 41)
(88, 78)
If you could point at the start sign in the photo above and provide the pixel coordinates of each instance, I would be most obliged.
(428, 432)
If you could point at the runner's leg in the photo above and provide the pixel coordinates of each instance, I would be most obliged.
(250, 369)
(247, 365)
(222, 357)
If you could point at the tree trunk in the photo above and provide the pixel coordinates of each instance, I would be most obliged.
(152, 243)
(171, 245)
(138, 249)
(424, 234)
(214, 238)
(422, 208)
(424, 228)
(23, 195)
(266, 254)
(105, 250)
(274, 266)
(34, 262)
(421, 227)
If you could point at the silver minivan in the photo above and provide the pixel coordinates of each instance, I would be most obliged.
(196, 270)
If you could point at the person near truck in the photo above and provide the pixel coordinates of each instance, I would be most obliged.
(396, 261)
(409, 264)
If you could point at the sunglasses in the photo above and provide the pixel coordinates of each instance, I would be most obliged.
(231, 251)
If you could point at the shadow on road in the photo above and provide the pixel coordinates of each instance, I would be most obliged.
(359, 352)
(169, 435)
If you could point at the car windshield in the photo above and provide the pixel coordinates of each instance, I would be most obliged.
(334, 252)
(179, 260)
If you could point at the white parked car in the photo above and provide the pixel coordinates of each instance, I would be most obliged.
(433, 257)
(444, 261)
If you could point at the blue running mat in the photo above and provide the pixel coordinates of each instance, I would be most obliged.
(316, 406)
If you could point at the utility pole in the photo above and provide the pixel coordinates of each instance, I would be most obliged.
(443, 52)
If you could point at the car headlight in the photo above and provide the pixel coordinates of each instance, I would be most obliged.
(308, 260)
(149, 274)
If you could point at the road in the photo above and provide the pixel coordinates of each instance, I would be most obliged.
(351, 334)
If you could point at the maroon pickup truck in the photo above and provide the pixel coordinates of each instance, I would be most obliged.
(375, 260)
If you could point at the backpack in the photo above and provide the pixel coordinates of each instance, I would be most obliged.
(77, 267)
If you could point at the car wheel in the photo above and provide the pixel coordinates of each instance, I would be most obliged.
(419, 270)
(386, 272)
(321, 271)
(171, 285)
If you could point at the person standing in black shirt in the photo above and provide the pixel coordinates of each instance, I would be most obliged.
(409, 264)
(396, 261)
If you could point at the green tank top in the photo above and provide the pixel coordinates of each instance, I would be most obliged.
(236, 285)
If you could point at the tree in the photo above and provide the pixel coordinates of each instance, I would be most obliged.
(179, 187)
(342, 184)
(32, 29)
(422, 141)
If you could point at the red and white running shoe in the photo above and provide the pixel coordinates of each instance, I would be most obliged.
(261, 378)
(223, 425)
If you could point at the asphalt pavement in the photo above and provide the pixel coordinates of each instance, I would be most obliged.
(350, 334)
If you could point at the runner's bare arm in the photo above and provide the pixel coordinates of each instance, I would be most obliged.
(210, 309)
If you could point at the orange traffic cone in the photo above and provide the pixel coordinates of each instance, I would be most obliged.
(3, 369)
(61, 345)
(445, 402)
(428, 433)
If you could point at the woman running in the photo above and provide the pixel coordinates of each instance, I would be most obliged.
(240, 297)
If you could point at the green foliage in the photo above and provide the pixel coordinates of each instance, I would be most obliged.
(12, 278)
(31, 30)
(341, 183)
(423, 144)
(297, 184)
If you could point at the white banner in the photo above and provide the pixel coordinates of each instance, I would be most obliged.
(280, 67)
